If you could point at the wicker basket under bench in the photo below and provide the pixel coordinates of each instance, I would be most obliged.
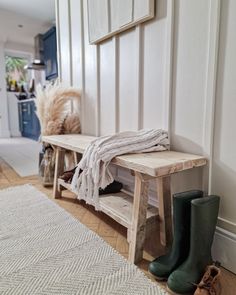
(133, 212)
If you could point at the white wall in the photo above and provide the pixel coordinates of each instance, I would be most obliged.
(11, 32)
(166, 73)
(19, 47)
(64, 47)
(189, 74)
(224, 157)
(112, 71)
(4, 124)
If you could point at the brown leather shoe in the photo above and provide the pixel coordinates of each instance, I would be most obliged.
(68, 175)
(210, 283)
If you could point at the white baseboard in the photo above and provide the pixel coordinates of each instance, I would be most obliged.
(224, 249)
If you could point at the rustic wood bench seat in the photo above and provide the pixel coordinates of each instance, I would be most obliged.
(133, 212)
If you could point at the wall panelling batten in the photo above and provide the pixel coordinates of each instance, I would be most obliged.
(57, 8)
(210, 92)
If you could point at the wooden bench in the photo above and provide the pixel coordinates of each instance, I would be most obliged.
(133, 212)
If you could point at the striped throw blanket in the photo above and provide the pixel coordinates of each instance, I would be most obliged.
(96, 158)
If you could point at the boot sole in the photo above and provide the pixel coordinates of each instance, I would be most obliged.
(161, 279)
(173, 293)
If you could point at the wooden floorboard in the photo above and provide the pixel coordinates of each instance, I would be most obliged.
(112, 232)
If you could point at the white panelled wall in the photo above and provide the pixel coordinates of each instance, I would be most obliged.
(174, 72)
(4, 124)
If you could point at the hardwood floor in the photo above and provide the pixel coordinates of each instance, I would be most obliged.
(104, 226)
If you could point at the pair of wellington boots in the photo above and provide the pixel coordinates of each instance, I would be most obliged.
(194, 219)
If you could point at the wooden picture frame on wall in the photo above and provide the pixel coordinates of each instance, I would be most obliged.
(109, 17)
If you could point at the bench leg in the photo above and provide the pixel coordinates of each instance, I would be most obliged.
(59, 169)
(77, 157)
(138, 226)
(164, 197)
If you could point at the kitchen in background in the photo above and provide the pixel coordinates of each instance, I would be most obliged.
(28, 56)
(22, 76)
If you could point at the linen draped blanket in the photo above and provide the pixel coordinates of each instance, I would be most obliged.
(92, 171)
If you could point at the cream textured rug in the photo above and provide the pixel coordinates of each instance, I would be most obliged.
(44, 250)
(22, 154)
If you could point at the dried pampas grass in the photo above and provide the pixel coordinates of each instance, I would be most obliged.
(54, 110)
(72, 124)
(53, 106)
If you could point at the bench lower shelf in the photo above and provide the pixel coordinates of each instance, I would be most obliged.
(119, 207)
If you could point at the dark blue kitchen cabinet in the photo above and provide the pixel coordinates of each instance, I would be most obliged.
(50, 54)
(28, 121)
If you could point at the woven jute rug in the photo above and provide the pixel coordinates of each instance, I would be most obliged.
(44, 250)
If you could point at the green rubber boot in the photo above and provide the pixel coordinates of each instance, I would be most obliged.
(204, 214)
(162, 266)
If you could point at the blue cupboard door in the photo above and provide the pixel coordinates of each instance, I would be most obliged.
(35, 133)
(26, 111)
(50, 53)
(26, 119)
(30, 126)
